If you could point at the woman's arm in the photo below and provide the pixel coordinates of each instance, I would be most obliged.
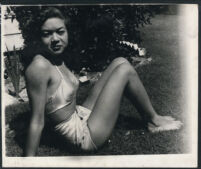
(37, 80)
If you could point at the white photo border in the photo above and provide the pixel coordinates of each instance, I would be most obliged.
(170, 160)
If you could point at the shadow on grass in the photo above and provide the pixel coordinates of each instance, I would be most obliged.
(18, 124)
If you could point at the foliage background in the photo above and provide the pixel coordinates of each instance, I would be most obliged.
(95, 31)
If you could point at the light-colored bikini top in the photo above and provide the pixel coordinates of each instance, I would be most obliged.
(64, 95)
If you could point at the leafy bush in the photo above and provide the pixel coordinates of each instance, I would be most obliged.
(12, 64)
(95, 31)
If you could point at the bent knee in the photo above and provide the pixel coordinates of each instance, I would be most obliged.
(118, 61)
(126, 69)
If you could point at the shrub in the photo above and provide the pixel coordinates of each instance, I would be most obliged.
(12, 65)
(94, 30)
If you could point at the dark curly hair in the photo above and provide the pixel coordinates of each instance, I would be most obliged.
(32, 32)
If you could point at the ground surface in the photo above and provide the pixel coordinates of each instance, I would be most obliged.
(162, 79)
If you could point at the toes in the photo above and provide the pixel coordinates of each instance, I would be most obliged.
(179, 124)
(174, 125)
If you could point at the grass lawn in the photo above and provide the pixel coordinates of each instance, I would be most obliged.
(163, 82)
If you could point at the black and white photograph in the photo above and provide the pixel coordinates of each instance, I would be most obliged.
(99, 85)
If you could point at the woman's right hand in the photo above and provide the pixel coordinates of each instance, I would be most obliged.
(37, 77)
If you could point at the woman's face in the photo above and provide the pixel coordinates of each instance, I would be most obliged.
(54, 35)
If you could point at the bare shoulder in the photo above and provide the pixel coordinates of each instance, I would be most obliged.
(38, 70)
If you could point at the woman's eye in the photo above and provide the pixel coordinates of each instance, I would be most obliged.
(46, 34)
(61, 32)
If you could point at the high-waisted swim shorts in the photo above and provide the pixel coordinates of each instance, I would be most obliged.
(76, 129)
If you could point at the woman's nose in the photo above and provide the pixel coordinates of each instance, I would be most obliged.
(54, 37)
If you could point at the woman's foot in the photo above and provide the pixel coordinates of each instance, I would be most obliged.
(163, 123)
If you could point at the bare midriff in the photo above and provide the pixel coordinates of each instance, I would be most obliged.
(63, 114)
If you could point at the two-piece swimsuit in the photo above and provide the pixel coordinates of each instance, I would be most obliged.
(75, 128)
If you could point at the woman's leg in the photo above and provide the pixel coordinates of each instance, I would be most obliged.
(105, 111)
(130, 93)
(95, 91)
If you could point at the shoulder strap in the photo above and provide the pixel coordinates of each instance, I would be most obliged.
(60, 72)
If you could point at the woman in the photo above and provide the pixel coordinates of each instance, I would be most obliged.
(52, 89)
